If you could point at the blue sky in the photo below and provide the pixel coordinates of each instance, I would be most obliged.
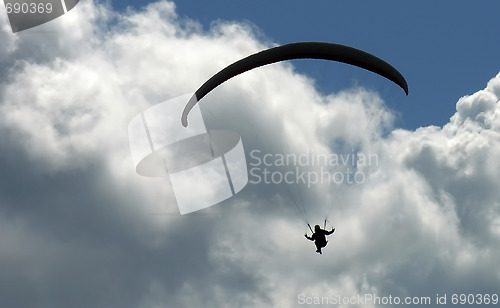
(444, 49)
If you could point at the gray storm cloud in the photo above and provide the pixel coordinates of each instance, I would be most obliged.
(81, 229)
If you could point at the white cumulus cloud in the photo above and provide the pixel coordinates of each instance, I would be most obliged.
(96, 234)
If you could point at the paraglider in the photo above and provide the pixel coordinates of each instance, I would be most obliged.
(302, 50)
(319, 237)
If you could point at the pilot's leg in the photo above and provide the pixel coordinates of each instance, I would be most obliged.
(318, 247)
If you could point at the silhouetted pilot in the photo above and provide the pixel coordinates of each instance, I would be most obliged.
(319, 237)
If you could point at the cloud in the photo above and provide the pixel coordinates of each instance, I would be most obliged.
(81, 229)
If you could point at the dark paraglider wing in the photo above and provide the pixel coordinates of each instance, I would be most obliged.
(302, 50)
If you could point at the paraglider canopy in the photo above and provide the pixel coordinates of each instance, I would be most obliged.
(302, 50)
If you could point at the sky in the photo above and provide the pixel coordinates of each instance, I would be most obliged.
(441, 48)
(80, 228)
